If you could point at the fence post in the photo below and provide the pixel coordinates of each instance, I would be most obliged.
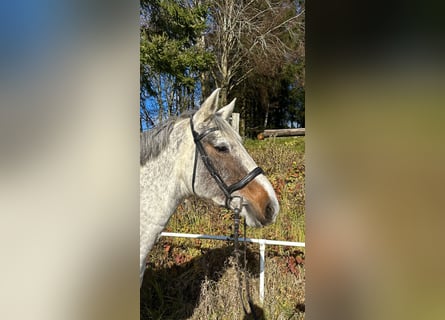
(235, 121)
(262, 267)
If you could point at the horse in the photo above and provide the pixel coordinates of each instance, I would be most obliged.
(199, 154)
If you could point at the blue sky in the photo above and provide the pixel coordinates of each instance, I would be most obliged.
(30, 33)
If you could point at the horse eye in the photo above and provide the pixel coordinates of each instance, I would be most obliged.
(222, 149)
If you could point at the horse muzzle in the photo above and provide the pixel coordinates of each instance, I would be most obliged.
(260, 207)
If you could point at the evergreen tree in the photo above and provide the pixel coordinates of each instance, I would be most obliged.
(171, 62)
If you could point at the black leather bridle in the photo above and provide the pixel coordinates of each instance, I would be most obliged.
(227, 190)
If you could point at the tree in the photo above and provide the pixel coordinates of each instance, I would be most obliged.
(171, 62)
(275, 101)
(250, 35)
(259, 49)
(252, 49)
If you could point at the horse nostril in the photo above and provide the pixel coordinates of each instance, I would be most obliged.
(270, 212)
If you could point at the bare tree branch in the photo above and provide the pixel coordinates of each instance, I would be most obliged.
(247, 33)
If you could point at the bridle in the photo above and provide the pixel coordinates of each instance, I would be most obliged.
(227, 190)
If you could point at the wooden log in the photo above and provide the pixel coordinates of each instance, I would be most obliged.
(283, 132)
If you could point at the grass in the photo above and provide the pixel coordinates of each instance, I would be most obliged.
(196, 279)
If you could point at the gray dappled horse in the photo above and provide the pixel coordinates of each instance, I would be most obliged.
(198, 154)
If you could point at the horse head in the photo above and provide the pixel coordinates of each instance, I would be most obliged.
(222, 168)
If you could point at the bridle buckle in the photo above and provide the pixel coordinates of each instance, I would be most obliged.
(235, 203)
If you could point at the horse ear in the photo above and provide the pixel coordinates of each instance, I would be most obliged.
(208, 108)
(226, 111)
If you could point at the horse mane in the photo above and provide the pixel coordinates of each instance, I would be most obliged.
(153, 141)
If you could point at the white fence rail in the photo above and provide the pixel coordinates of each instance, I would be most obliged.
(261, 242)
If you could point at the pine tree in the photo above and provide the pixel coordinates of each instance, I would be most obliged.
(171, 62)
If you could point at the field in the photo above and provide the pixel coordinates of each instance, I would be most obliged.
(196, 279)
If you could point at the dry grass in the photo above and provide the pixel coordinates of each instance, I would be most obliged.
(196, 279)
(284, 298)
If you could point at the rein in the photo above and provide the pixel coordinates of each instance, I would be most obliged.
(227, 190)
(236, 215)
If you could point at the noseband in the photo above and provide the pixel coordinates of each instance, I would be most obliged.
(227, 190)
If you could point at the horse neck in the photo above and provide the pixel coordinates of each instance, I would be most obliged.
(162, 186)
